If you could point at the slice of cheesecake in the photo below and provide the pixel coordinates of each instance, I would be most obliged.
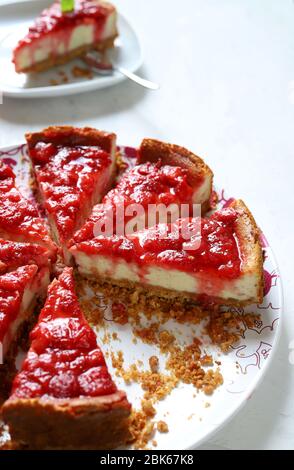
(199, 175)
(56, 37)
(19, 219)
(166, 177)
(214, 260)
(74, 168)
(16, 254)
(19, 292)
(64, 397)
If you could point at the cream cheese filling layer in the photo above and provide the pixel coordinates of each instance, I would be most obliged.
(35, 290)
(241, 289)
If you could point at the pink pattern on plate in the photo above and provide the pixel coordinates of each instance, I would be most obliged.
(13, 152)
(263, 241)
(247, 353)
(270, 280)
(224, 202)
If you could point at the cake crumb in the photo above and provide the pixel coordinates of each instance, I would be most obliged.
(211, 381)
(106, 338)
(148, 334)
(119, 313)
(156, 386)
(206, 360)
(154, 363)
(148, 408)
(141, 429)
(165, 340)
(81, 72)
(225, 328)
(117, 360)
(185, 362)
(162, 427)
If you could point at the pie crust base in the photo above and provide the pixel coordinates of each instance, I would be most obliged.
(99, 423)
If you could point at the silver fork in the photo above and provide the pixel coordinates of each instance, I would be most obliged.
(102, 66)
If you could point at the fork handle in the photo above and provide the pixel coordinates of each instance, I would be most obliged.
(135, 78)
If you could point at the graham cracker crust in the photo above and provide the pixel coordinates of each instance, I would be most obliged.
(150, 299)
(100, 46)
(70, 135)
(97, 423)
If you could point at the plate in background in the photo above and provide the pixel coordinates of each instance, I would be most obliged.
(16, 17)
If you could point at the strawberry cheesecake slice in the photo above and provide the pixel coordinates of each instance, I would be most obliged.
(56, 37)
(16, 254)
(64, 397)
(198, 175)
(19, 291)
(214, 260)
(19, 219)
(74, 168)
(166, 179)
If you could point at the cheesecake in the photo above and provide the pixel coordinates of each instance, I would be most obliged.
(74, 168)
(166, 179)
(64, 397)
(57, 37)
(16, 254)
(19, 292)
(213, 260)
(199, 176)
(20, 220)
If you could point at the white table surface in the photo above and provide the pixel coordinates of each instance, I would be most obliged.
(226, 69)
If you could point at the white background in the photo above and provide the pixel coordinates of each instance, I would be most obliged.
(226, 69)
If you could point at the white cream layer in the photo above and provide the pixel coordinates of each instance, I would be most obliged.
(241, 289)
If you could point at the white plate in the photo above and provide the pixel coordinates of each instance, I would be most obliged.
(14, 21)
(190, 422)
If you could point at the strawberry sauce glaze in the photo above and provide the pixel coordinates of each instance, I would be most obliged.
(144, 184)
(15, 254)
(12, 286)
(19, 219)
(64, 360)
(68, 178)
(166, 246)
